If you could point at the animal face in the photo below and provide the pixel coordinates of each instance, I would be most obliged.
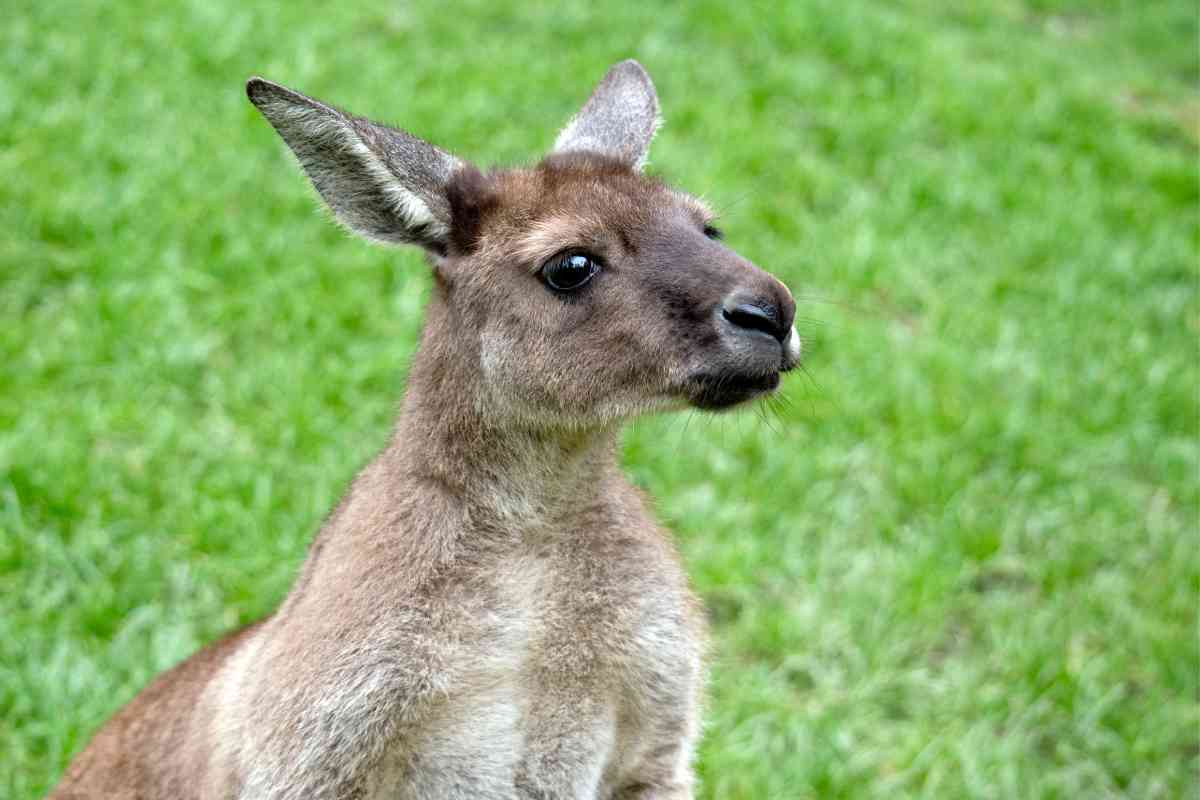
(579, 291)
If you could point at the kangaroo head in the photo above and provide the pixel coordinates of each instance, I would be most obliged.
(575, 292)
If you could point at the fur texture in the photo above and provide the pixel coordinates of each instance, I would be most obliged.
(490, 611)
(618, 120)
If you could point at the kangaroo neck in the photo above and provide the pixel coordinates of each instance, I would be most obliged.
(504, 473)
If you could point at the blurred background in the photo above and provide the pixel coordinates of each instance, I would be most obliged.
(959, 558)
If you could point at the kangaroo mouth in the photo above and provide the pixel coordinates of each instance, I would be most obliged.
(716, 391)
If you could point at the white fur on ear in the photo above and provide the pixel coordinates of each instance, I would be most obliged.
(618, 120)
(379, 182)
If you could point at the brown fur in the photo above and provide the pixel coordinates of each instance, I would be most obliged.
(489, 612)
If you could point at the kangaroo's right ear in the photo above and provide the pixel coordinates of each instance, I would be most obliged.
(379, 182)
(618, 120)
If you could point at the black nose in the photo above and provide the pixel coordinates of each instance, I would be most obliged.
(756, 314)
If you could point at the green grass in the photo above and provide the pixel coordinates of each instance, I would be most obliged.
(962, 561)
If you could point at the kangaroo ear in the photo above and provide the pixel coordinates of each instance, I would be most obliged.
(379, 182)
(618, 120)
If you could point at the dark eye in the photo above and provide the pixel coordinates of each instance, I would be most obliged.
(713, 232)
(566, 272)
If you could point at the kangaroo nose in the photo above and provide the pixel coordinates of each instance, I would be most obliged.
(757, 314)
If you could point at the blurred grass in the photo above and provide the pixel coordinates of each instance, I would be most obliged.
(962, 560)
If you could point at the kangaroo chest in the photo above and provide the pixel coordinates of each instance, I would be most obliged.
(579, 666)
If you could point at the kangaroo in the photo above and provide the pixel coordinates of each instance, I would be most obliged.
(489, 612)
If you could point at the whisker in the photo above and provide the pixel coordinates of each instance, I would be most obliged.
(804, 297)
(729, 204)
(762, 408)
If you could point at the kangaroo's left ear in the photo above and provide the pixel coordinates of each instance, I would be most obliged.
(380, 182)
(618, 120)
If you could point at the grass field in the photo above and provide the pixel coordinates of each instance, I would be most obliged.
(963, 558)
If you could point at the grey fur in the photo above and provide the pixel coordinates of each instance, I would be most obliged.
(380, 182)
(618, 120)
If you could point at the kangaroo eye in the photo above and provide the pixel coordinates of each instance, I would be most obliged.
(566, 272)
(713, 232)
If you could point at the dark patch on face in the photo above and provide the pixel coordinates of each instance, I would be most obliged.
(472, 199)
(689, 315)
(627, 242)
(690, 277)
